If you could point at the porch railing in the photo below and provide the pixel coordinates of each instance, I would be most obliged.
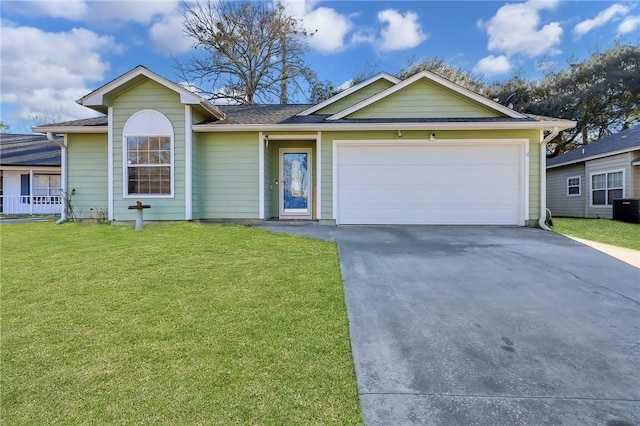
(31, 204)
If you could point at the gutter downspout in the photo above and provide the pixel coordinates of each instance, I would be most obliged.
(63, 174)
(543, 177)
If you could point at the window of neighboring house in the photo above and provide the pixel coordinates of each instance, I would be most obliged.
(606, 187)
(24, 189)
(149, 165)
(148, 155)
(46, 189)
(573, 186)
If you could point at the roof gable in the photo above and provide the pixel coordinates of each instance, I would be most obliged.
(99, 98)
(624, 141)
(353, 95)
(422, 96)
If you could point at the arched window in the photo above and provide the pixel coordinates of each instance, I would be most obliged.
(148, 155)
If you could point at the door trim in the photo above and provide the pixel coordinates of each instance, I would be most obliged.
(296, 213)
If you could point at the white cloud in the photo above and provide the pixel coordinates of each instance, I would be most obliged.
(73, 10)
(601, 19)
(367, 36)
(140, 11)
(515, 29)
(493, 65)
(330, 29)
(168, 35)
(629, 25)
(400, 32)
(43, 73)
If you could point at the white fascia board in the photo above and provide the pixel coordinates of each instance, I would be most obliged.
(96, 97)
(345, 93)
(71, 129)
(436, 79)
(215, 128)
(49, 169)
(595, 157)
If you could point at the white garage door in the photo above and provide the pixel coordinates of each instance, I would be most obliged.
(425, 183)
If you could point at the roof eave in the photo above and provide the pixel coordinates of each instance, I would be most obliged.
(95, 99)
(436, 79)
(70, 129)
(349, 91)
(594, 157)
(538, 125)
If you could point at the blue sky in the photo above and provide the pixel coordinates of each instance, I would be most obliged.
(54, 52)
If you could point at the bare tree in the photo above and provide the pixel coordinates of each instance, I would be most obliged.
(245, 52)
(443, 69)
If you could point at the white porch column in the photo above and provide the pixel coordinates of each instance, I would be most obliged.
(110, 163)
(318, 175)
(188, 164)
(31, 192)
(260, 175)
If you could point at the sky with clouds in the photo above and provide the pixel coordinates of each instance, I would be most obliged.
(53, 52)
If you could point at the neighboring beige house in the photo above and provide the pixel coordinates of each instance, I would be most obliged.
(418, 151)
(584, 182)
(29, 175)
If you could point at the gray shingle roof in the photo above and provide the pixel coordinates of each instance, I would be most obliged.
(286, 114)
(28, 150)
(88, 122)
(259, 114)
(627, 139)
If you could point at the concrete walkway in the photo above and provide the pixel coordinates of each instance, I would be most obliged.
(630, 256)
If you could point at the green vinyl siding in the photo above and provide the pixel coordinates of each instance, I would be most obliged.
(153, 96)
(425, 99)
(88, 173)
(229, 171)
(357, 96)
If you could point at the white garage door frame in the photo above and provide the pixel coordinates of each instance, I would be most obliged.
(523, 145)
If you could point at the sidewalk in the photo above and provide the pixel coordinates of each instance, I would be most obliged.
(630, 256)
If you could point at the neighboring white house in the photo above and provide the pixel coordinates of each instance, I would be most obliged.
(584, 182)
(29, 175)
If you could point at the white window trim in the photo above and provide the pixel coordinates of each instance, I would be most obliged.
(579, 186)
(604, 172)
(129, 130)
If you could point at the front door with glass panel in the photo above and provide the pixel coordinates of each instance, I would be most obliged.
(295, 183)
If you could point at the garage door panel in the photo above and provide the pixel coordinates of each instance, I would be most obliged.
(438, 174)
(432, 199)
(444, 216)
(409, 184)
(386, 155)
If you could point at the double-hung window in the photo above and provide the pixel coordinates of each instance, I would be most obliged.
(606, 187)
(148, 155)
(573, 186)
(149, 165)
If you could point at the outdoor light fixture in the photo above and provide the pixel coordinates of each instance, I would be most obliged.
(399, 133)
(266, 141)
(432, 137)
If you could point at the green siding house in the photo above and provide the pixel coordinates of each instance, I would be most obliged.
(418, 151)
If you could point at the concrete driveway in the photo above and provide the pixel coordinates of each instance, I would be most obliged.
(490, 326)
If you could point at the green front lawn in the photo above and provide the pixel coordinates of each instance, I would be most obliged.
(181, 324)
(612, 232)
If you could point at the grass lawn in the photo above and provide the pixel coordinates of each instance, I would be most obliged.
(612, 232)
(181, 324)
